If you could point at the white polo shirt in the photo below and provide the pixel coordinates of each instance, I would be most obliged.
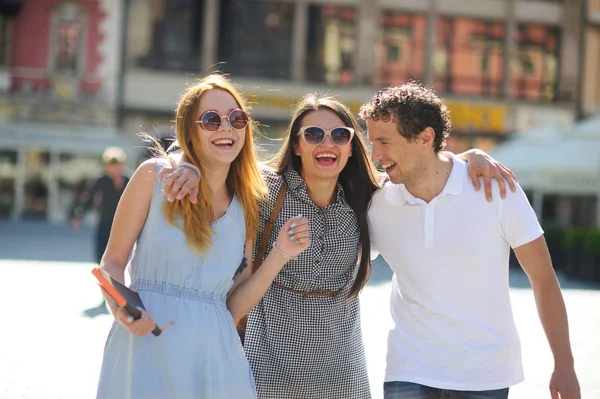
(450, 303)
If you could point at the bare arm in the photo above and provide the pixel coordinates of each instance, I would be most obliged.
(128, 222)
(535, 261)
(249, 288)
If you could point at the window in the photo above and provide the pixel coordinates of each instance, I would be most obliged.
(68, 32)
(399, 52)
(35, 205)
(535, 66)
(176, 36)
(469, 56)
(8, 173)
(67, 46)
(331, 45)
(5, 37)
(256, 38)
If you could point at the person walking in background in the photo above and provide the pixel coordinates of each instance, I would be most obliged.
(104, 195)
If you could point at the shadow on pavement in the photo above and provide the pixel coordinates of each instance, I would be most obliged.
(99, 310)
(382, 273)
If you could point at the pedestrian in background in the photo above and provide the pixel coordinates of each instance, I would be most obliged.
(104, 196)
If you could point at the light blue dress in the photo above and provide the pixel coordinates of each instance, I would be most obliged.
(200, 356)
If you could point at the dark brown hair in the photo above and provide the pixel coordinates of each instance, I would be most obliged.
(358, 178)
(413, 107)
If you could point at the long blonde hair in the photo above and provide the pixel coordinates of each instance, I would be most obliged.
(244, 178)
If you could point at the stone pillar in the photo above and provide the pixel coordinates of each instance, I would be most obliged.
(210, 38)
(366, 37)
(110, 49)
(300, 30)
(53, 208)
(570, 57)
(510, 47)
(430, 38)
(19, 184)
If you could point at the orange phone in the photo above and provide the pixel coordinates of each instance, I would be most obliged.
(124, 296)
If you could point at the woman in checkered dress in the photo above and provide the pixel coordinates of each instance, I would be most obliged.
(303, 339)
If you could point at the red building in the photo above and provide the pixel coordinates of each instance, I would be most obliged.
(59, 79)
(56, 40)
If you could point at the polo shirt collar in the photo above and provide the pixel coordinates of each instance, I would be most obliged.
(454, 185)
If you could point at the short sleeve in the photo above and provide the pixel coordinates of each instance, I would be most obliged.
(374, 250)
(518, 220)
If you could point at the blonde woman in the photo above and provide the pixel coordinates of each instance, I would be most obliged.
(188, 262)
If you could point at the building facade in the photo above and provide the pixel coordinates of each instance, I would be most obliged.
(79, 75)
(502, 65)
(59, 69)
(590, 99)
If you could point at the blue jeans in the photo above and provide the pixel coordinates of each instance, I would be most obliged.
(410, 390)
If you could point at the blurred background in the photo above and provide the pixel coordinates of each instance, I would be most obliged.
(520, 77)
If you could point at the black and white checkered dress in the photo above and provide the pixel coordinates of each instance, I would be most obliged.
(305, 348)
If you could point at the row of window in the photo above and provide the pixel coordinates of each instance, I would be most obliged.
(256, 39)
(66, 42)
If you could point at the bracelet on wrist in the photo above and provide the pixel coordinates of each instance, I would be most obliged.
(289, 257)
(190, 166)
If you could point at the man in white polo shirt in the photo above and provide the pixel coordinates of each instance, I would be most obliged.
(454, 334)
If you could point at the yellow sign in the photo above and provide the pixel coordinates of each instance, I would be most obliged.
(278, 102)
(478, 117)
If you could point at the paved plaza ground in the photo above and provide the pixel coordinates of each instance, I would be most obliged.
(49, 349)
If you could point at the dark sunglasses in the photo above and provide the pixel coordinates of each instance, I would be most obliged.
(211, 120)
(315, 135)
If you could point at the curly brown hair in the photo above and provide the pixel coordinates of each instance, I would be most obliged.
(413, 107)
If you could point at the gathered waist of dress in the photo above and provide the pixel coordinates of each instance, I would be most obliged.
(178, 291)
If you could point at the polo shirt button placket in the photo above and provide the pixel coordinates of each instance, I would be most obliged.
(429, 224)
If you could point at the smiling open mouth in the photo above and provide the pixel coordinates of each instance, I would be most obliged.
(326, 158)
(224, 143)
(388, 166)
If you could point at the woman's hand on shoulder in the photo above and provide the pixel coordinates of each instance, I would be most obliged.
(483, 165)
(294, 237)
(179, 182)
